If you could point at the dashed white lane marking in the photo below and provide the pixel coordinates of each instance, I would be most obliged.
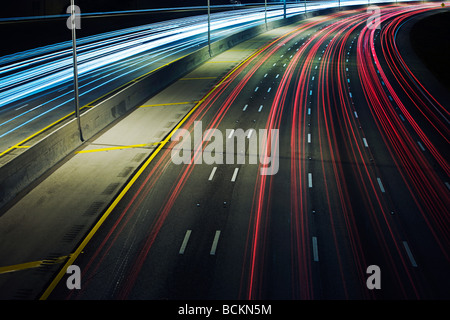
(211, 176)
(315, 249)
(185, 241)
(309, 180)
(409, 253)
(260, 108)
(381, 185)
(215, 242)
(365, 142)
(21, 107)
(233, 178)
(447, 185)
(420, 145)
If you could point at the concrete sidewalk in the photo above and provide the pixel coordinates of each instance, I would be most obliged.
(42, 228)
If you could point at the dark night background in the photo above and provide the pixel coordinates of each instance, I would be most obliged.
(28, 34)
(21, 8)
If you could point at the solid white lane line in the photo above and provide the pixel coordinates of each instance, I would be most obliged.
(211, 176)
(215, 241)
(310, 180)
(233, 179)
(381, 185)
(365, 143)
(185, 241)
(231, 134)
(315, 249)
(260, 108)
(410, 256)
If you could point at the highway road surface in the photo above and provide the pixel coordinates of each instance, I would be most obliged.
(356, 175)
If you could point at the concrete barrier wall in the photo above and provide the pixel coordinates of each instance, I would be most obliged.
(24, 169)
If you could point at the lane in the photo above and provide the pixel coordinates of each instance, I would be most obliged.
(309, 227)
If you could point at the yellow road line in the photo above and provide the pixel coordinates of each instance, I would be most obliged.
(166, 104)
(222, 61)
(240, 50)
(88, 238)
(120, 147)
(200, 78)
(29, 265)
